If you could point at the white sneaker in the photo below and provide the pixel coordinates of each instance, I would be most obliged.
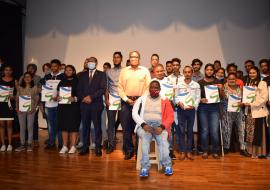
(3, 148)
(92, 146)
(9, 148)
(64, 150)
(72, 150)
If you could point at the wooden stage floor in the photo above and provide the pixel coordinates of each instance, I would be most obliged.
(42, 169)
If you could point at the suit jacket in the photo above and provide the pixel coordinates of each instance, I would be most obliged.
(258, 107)
(95, 89)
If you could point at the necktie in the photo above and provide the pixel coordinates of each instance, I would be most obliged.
(90, 77)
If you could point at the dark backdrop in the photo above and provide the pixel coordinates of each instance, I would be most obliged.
(11, 36)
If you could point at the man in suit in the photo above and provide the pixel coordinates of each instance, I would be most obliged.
(91, 87)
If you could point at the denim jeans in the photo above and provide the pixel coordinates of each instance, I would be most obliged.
(53, 126)
(185, 121)
(28, 118)
(174, 130)
(128, 125)
(163, 147)
(111, 114)
(209, 119)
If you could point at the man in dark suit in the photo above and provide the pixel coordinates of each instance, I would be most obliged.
(91, 87)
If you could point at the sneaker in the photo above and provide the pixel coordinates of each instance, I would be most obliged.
(79, 146)
(72, 150)
(20, 148)
(144, 172)
(29, 148)
(268, 155)
(3, 148)
(92, 146)
(64, 150)
(9, 148)
(168, 171)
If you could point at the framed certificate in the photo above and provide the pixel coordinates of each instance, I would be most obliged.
(65, 94)
(25, 103)
(115, 102)
(4, 93)
(249, 94)
(212, 94)
(233, 101)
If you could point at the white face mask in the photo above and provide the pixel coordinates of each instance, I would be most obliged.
(91, 65)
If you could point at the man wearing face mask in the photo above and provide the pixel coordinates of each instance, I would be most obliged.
(154, 121)
(133, 81)
(91, 87)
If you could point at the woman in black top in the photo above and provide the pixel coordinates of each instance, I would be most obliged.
(69, 114)
(6, 110)
(209, 114)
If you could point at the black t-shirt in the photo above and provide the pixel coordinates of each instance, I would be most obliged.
(204, 83)
(73, 83)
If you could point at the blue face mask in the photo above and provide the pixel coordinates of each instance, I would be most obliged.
(91, 65)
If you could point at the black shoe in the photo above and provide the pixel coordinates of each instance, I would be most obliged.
(60, 146)
(46, 141)
(49, 147)
(105, 144)
(245, 153)
(84, 151)
(173, 157)
(109, 150)
(98, 152)
(262, 157)
(216, 156)
(226, 151)
(129, 155)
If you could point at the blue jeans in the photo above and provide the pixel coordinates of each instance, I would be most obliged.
(163, 146)
(185, 120)
(209, 119)
(174, 130)
(53, 126)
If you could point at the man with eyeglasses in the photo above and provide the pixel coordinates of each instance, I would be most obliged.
(133, 81)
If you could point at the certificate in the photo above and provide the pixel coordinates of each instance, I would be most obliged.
(46, 93)
(167, 90)
(4, 93)
(185, 97)
(49, 90)
(115, 102)
(233, 105)
(65, 94)
(212, 94)
(25, 103)
(249, 94)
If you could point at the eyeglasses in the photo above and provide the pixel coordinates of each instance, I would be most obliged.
(134, 57)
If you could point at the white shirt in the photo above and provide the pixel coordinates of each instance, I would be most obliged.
(193, 87)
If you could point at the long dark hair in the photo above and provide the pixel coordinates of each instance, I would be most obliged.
(73, 69)
(23, 84)
(255, 81)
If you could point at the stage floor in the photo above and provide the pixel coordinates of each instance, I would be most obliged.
(42, 169)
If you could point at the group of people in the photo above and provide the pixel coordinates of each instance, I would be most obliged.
(147, 102)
